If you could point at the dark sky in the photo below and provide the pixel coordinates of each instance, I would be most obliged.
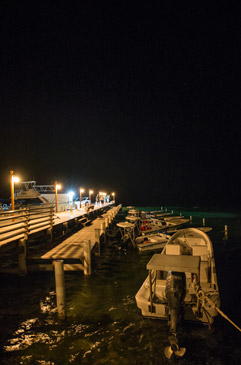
(143, 100)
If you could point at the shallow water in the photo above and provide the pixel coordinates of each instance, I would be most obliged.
(103, 324)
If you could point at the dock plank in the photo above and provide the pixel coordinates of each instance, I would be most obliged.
(73, 246)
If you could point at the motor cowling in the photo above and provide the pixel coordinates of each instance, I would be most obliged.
(175, 294)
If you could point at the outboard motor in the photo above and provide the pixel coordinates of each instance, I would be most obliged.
(175, 294)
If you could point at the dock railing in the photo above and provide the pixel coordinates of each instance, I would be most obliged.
(19, 224)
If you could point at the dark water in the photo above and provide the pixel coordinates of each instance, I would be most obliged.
(104, 326)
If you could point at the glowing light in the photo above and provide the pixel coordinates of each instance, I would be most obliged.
(16, 179)
(82, 190)
(71, 195)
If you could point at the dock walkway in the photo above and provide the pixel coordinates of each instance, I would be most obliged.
(76, 249)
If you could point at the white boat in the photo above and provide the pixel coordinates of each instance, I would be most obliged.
(179, 280)
(154, 225)
(152, 242)
(133, 214)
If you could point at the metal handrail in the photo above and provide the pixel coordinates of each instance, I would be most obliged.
(21, 223)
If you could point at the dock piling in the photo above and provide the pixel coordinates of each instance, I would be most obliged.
(22, 256)
(97, 240)
(226, 232)
(60, 287)
(203, 222)
(87, 258)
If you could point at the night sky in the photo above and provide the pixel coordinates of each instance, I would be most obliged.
(143, 100)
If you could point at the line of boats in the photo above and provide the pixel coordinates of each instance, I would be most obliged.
(181, 283)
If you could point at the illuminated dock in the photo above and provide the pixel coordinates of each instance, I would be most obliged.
(75, 251)
(24, 229)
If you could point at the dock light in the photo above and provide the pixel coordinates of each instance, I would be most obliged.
(113, 194)
(13, 179)
(81, 190)
(90, 193)
(71, 195)
(56, 188)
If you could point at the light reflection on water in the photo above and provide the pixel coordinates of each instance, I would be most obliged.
(104, 326)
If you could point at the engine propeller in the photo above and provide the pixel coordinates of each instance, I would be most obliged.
(174, 348)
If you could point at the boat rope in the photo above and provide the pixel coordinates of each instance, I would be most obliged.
(201, 295)
(112, 235)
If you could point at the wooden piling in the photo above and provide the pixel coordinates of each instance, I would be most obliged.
(226, 232)
(203, 222)
(22, 256)
(97, 240)
(87, 258)
(60, 287)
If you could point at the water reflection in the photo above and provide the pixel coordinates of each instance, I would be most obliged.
(103, 325)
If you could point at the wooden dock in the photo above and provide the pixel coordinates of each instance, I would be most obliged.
(75, 250)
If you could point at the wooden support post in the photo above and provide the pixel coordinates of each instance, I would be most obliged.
(226, 232)
(106, 222)
(203, 222)
(76, 222)
(49, 233)
(65, 228)
(97, 240)
(60, 287)
(103, 231)
(22, 256)
(102, 228)
(190, 218)
(87, 258)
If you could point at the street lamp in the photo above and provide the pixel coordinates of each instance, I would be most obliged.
(113, 194)
(90, 193)
(13, 179)
(57, 187)
(80, 195)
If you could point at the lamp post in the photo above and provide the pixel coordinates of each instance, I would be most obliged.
(90, 193)
(80, 195)
(13, 179)
(113, 194)
(57, 187)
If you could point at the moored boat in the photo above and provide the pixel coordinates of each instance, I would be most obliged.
(154, 225)
(179, 280)
(152, 242)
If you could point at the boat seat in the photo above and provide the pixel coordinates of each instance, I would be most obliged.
(173, 250)
(201, 251)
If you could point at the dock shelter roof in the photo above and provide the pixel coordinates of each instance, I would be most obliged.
(178, 263)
